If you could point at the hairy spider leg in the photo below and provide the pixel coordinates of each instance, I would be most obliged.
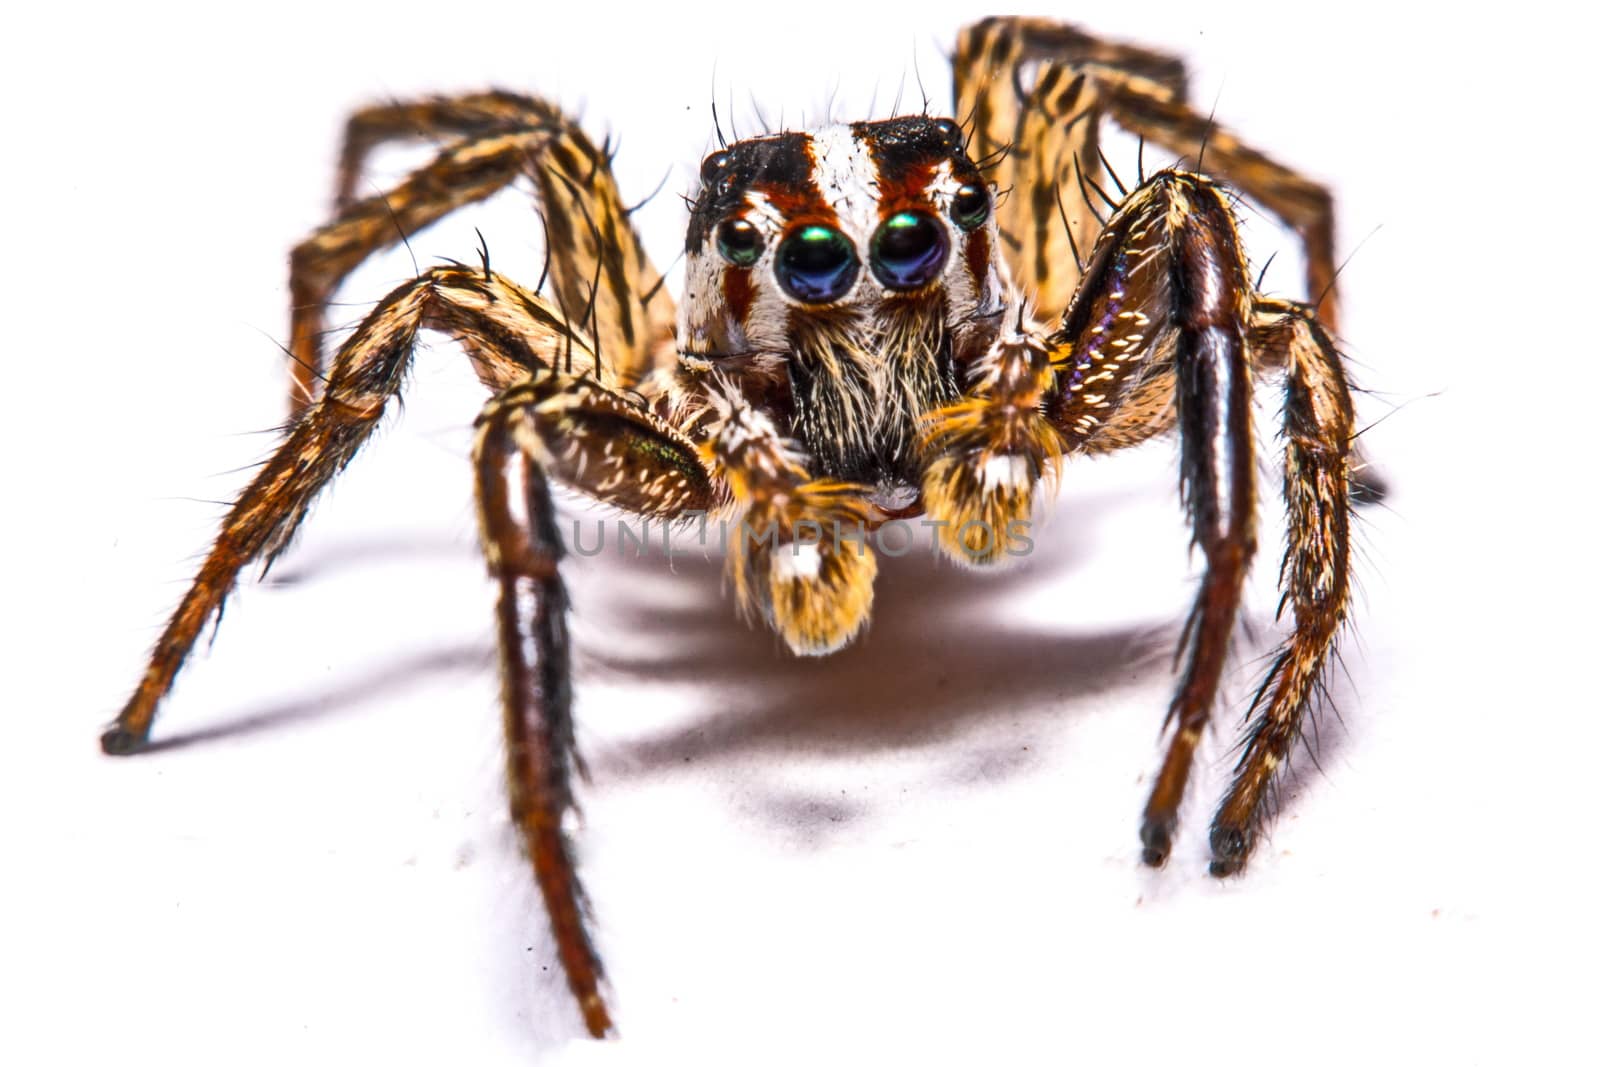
(1191, 279)
(1159, 334)
(599, 441)
(603, 281)
(1142, 91)
(602, 445)
(1166, 320)
(1030, 92)
(512, 333)
(1318, 430)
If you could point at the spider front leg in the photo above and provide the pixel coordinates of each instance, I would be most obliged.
(599, 443)
(1166, 328)
(1164, 312)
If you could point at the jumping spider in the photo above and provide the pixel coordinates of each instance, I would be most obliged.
(915, 316)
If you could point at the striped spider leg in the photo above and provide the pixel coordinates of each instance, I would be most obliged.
(1159, 327)
(550, 418)
(1164, 330)
(541, 424)
(1034, 94)
(598, 268)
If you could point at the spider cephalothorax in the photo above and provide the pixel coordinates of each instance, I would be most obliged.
(873, 328)
(847, 278)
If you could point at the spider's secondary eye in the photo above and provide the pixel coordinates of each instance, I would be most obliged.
(908, 250)
(711, 165)
(970, 206)
(817, 264)
(739, 242)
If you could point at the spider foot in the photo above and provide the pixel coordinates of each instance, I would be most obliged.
(1156, 836)
(595, 1016)
(118, 740)
(1230, 847)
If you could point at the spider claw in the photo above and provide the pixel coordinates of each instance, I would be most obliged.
(1230, 847)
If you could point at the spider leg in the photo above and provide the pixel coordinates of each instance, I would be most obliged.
(1277, 332)
(1305, 206)
(523, 548)
(472, 116)
(1042, 132)
(1030, 90)
(541, 424)
(604, 446)
(1164, 315)
(508, 333)
(597, 264)
(1318, 430)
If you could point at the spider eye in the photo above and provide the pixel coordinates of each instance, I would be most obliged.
(970, 206)
(713, 163)
(817, 264)
(739, 242)
(908, 251)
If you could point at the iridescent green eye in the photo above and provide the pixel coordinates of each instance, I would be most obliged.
(908, 251)
(970, 206)
(817, 264)
(739, 242)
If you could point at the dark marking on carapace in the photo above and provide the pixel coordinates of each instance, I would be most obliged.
(781, 168)
(906, 152)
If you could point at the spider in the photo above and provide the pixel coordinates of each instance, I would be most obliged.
(910, 317)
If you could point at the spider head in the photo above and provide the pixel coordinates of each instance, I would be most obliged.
(855, 268)
(848, 223)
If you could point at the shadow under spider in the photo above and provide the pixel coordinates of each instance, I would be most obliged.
(946, 651)
(368, 686)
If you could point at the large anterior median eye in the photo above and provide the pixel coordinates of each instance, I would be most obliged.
(817, 264)
(908, 250)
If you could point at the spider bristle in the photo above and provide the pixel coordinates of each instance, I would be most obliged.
(660, 185)
(716, 124)
(544, 272)
(1072, 242)
(1106, 163)
(1088, 201)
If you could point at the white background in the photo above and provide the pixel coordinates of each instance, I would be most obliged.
(924, 846)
